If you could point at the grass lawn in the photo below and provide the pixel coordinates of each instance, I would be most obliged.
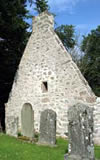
(13, 149)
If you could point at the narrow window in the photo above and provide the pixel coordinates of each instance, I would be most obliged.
(44, 87)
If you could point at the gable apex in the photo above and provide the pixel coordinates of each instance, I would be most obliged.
(43, 21)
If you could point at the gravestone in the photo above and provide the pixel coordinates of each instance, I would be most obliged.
(0, 126)
(48, 127)
(0, 121)
(80, 127)
(27, 121)
(13, 125)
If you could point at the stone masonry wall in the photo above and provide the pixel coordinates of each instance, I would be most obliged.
(45, 60)
(97, 121)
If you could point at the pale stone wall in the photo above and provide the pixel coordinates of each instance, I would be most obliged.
(46, 60)
(97, 121)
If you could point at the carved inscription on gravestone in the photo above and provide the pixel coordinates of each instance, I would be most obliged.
(48, 127)
(80, 129)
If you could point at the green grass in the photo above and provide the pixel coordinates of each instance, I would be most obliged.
(97, 152)
(14, 149)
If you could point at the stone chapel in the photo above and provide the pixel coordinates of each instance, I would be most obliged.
(46, 78)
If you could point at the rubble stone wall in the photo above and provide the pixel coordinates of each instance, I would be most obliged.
(97, 121)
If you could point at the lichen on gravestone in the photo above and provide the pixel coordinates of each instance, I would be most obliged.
(80, 128)
(48, 127)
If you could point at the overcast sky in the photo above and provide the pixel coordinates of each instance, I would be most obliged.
(84, 14)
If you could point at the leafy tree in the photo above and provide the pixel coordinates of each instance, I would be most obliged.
(67, 35)
(13, 38)
(70, 40)
(41, 5)
(90, 63)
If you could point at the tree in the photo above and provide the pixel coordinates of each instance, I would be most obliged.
(67, 35)
(90, 63)
(41, 5)
(13, 38)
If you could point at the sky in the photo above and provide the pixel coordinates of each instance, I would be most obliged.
(83, 14)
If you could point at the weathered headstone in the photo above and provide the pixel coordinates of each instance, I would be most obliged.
(0, 122)
(0, 126)
(2, 117)
(80, 128)
(48, 127)
(13, 125)
(27, 121)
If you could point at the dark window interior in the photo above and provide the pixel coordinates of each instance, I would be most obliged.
(44, 87)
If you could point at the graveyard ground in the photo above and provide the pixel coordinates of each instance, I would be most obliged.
(13, 149)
